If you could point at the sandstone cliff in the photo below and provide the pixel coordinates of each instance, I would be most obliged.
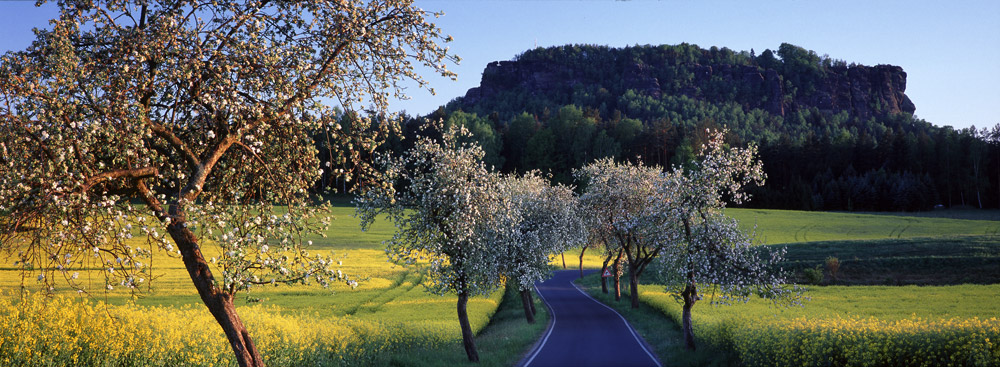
(862, 91)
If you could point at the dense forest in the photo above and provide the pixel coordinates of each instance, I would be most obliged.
(832, 135)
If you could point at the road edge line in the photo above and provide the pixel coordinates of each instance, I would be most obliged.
(548, 332)
(638, 339)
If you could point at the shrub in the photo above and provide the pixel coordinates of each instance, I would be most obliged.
(833, 265)
(814, 275)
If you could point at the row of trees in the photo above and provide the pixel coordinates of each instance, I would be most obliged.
(475, 229)
(678, 217)
(815, 161)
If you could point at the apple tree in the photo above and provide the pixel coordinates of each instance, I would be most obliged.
(446, 211)
(130, 128)
(704, 249)
(618, 198)
(546, 222)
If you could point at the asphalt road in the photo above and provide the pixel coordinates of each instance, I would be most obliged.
(584, 332)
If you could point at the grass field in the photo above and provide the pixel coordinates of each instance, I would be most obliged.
(386, 318)
(789, 226)
(875, 325)
(923, 261)
(390, 320)
(858, 324)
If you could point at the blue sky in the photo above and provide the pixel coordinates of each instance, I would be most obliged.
(950, 50)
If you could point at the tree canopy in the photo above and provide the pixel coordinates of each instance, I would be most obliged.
(204, 114)
(448, 213)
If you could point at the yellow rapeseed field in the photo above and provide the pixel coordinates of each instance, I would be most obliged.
(291, 325)
(854, 326)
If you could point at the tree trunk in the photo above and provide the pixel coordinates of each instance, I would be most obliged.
(219, 303)
(690, 296)
(529, 314)
(633, 286)
(617, 266)
(463, 319)
(581, 260)
(563, 254)
(531, 302)
(604, 280)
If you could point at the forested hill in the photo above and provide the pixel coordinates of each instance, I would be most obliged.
(832, 135)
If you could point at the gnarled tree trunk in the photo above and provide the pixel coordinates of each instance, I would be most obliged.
(581, 260)
(633, 285)
(468, 340)
(531, 302)
(604, 280)
(219, 303)
(690, 295)
(617, 276)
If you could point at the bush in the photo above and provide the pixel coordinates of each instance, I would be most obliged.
(833, 265)
(814, 275)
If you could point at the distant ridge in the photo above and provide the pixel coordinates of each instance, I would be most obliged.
(832, 135)
(798, 80)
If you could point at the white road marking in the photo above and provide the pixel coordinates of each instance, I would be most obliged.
(552, 326)
(630, 329)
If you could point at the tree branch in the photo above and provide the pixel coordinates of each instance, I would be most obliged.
(124, 173)
(176, 142)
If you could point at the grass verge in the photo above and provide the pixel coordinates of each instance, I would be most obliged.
(502, 343)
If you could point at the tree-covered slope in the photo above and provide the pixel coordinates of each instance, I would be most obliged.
(832, 135)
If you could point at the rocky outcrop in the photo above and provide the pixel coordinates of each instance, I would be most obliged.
(862, 91)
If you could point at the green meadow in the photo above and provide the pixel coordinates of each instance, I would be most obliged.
(855, 318)
(790, 226)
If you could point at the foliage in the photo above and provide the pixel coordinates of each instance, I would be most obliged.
(449, 216)
(447, 201)
(817, 157)
(833, 266)
(813, 275)
(706, 248)
(617, 201)
(207, 121)
(548, 223)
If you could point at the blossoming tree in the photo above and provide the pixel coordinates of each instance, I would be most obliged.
(618, 198)
(201, 112)
(546, 221)
(446, 216)
(703, 246)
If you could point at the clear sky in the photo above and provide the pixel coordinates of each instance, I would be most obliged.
(949, 49)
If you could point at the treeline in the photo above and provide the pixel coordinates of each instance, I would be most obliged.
(815, 159)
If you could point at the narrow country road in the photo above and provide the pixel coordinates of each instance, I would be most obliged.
(584, 332)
